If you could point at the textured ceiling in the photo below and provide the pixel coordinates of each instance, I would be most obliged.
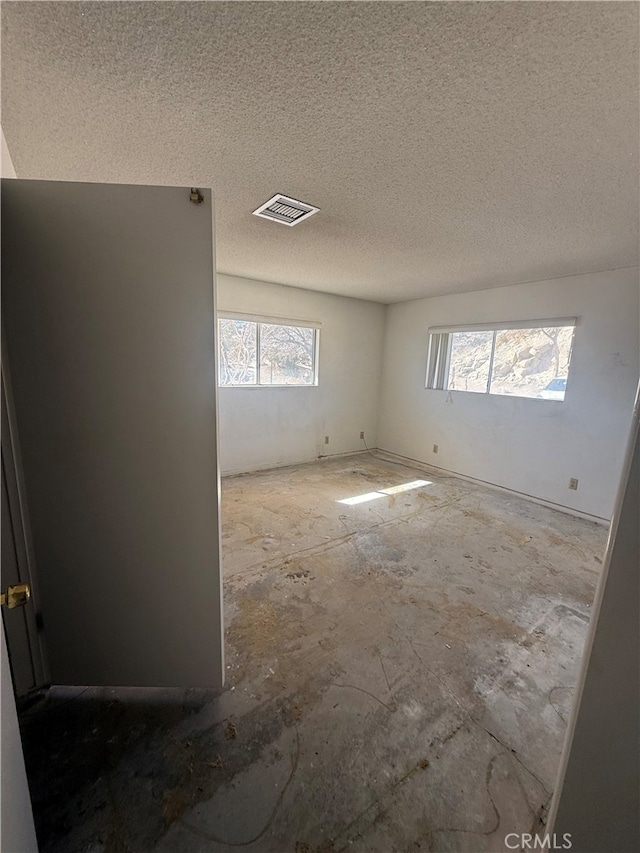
(450, 146)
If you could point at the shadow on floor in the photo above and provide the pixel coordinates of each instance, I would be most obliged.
(75, 740)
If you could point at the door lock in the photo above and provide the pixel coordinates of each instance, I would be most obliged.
(16, 595)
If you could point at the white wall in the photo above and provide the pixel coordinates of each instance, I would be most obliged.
(597, 799)
(17, 832)
(264, 427)
(530, 446)
(6, 163)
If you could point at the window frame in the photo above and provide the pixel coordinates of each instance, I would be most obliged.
(258, 320)
(440, 342)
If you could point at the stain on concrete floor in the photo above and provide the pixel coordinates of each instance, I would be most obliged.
(399, 675)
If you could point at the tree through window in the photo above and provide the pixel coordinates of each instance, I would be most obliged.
(262, 353)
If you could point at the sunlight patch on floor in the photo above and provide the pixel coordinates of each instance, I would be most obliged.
(380, 493)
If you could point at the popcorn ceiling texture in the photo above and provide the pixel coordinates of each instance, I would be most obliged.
(450, 146)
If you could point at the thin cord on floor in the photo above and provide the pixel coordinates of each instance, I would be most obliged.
(369, 451)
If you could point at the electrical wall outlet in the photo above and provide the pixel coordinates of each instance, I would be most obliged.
(362, 433)
(573, 484)
(326, 439)
(435, 448)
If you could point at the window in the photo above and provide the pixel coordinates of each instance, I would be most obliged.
(517, 359)
(238, 348)
(470, 360)
(255, 352)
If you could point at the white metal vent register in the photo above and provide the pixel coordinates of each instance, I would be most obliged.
(283, 208)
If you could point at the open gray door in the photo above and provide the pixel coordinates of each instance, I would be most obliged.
(109, 317)
(28, 665)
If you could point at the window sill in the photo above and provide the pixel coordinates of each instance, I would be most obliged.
(264, 387)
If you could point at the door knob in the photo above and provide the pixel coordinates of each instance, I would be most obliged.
(16, 595)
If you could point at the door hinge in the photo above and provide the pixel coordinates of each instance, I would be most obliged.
(16, 595)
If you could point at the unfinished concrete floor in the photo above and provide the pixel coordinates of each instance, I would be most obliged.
(399, 675)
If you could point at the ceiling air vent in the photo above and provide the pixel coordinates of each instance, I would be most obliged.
(282, 208)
